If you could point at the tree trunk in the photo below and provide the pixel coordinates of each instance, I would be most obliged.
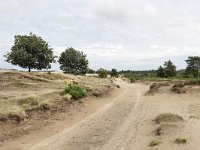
(29, 69)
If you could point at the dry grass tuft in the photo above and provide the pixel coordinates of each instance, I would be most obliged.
(168, 118)
(154, 143)
(180, 140)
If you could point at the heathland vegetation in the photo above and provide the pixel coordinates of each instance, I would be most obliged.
(29, 98)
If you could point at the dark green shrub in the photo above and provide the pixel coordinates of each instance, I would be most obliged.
(76, 91)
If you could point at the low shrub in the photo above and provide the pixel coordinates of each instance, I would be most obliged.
(180, 140)
(45, 105)
(178, 85)
(153, 88)
(3, 118)
(178, 88)
(154, 143)
(66, 97)
(102, 73)
(132, 79)
(193, 82)
(168, 118)
(76, 91)
(164, 84)
(29, 101)
(117, 86)
(18, 117)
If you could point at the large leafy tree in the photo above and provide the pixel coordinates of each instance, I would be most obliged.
(169, 70)
(193, 65)
(30, 51)
(73, 61)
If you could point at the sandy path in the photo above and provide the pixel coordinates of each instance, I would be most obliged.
(125, 122)
(105, 129)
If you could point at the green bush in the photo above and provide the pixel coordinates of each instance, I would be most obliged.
(102, 73)
(76, 91)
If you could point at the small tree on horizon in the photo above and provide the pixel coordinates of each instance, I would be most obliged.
(114, 73)
(193, 66)
(73, 61)
(169, 70)
(30, 51)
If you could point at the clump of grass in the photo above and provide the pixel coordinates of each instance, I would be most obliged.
(3, 118)
(76, 91)
(180, 140)
(154, 143)
(178, 88)
(17, 116)
(96, 94)
(45, 105)
(179, 85)
(159, 131)
(29, 101)
(132, 79)
(168, 118)
(164, 84)
(153, 88)
(193, 82)
(66, 97)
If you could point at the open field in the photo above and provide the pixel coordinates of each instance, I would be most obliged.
(133, 116)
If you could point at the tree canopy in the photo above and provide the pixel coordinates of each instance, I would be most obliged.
(169, 70)
(30, 51)
(193, 65)
(73, 61)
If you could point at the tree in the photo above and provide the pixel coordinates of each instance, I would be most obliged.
(73, 61)
(169, 70)
(160, 72)
(193, 65)
(30, 51)
(114, 73)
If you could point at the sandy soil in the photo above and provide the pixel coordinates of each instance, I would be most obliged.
(122, 121)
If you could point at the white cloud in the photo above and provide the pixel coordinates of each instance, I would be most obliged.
(125, 34)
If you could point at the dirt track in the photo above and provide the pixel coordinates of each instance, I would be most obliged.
(122, 123)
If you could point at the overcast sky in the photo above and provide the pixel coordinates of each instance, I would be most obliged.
(122, 34)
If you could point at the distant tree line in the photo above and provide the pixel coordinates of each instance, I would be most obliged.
(32, 52)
